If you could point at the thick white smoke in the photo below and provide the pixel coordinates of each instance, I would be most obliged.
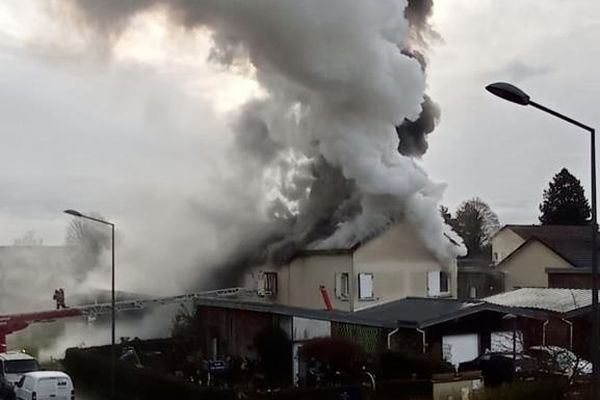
(337, 83)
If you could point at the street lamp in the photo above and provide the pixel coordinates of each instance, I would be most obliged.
(112, 292)
(513, 94)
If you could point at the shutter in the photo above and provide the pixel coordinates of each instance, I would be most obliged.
(433, 283)
(365, 286)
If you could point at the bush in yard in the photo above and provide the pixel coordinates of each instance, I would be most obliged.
(338, 353)
(522, 391)
(396, 365)
(275, 352)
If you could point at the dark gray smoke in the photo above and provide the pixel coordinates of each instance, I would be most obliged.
(413, 134)
(417, 13)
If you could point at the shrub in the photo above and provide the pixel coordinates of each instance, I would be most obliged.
(275, 351)
(522, 391)
(339, 353)
(395, 365)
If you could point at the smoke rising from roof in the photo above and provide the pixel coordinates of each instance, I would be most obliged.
(343, 114)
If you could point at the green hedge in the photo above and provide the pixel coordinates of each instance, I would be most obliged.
(92, 369)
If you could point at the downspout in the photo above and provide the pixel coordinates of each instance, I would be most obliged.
(570, 333)
(389, 338)
(423, 339)
(544, 332)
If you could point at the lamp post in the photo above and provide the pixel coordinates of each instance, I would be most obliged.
(112, 293)
(513, 94)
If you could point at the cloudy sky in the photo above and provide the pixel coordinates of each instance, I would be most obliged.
(141, 135)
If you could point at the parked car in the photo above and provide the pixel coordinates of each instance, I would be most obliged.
(497, 368)
(45, 385)
(559, 361)
(13, 365)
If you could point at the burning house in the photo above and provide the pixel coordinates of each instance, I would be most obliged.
(391, 265)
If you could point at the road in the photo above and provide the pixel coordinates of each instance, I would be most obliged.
(83, 395)
(87, 395)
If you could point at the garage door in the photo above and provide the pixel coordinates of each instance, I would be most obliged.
(460, 348)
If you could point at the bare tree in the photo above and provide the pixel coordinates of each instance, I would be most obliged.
(88, 240)
(28, 239)
(476, 223)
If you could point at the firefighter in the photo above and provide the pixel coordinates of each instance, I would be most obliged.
(56, 298)
(61, 292)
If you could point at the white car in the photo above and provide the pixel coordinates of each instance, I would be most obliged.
(13, 364)
(45, 385)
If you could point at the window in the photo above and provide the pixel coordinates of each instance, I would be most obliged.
(443, 282)
(365, 286)
(268, 284)
(20, 366)
(473, 292)
(438, 283)
(342, 285)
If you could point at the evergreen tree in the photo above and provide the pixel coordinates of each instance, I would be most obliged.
(564, 201)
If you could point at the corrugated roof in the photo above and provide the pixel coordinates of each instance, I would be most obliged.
(573, 243)
(548, 299)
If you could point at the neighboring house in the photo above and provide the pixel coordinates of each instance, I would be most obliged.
(543, 255)
(385, 267)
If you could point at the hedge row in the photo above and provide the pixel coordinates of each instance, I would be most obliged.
(92, 369)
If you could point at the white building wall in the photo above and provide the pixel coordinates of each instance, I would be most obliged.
(400, 264)
(504, 243)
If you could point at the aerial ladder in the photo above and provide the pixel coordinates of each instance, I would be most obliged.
(15, 322)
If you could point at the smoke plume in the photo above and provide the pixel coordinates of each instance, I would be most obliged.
(343, 115)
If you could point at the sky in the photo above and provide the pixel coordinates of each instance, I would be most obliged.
(142, 136)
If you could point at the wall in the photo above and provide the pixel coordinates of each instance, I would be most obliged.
(235, 330)
(504, 243)
(570, 281)
(399, 263)
(305, 329)
(527, 267)
(300, 280)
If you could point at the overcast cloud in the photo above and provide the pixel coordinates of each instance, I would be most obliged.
(141, 136)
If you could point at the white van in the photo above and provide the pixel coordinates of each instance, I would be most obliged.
(45, 385)
(13, 364)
